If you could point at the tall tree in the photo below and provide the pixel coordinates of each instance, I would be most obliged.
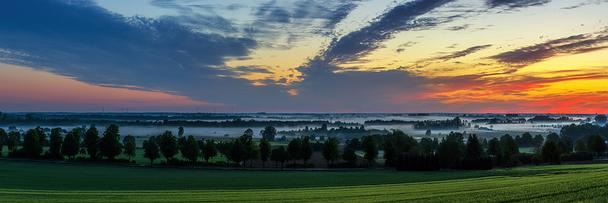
(596, 144)
(110, 146)
(55, 143)
(451, 150)
(151, 150)
(168, 145)
(91, 142)
(370, 148)
(32, 145)
(265, 150)
(3, 138)
(494, 147)
(306, 149)
(474, 150)
(71, 143)
(279, 155)
(191, 150)
(12, 141)
(295, 149)
(209, 150)
(129, 143)
(238, 152)
(580, 145)
(269, 133)
(550, 152)
(330, 150)
(509, 149)
(349, 156)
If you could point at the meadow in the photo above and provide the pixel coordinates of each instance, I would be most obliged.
(24, 181)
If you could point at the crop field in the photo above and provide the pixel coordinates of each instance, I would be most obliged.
(24, 181)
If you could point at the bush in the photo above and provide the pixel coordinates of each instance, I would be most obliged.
(577, 156)
(416, 162)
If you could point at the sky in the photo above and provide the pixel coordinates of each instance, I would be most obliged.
(477, 56)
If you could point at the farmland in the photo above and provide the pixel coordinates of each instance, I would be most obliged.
(24, 181)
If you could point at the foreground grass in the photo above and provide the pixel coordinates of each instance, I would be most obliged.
(27, 181)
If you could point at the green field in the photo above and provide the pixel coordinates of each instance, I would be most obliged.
(26, 181)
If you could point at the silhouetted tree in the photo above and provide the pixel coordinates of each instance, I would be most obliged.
(294, 149)
(550, 152)
(248, 132)
(451, 150)
(370, 148)
(168, 145)
(91, 142)
(474, 150)
(71, 143)
(110, 146)
(509, 150)
(3, 138)
(269, 133)
(209, 150)
(305, 149)
(580, 145)
(279, 155)
(349, 156)
(237, 152)
(265, 150)
(395, 144)
(12, 141)
(129, 143)
(494, 147)
(151, 150)
(32, 145)
(596, 144)
(191, 149)
(330, 150)
(55, 142)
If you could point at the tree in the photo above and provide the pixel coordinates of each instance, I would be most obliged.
(451, 150)
(370, 148)
(395, 144)
(91, 142)
(181, 144)
(580, 145)
(129, 143)
(330, 150)
(279, 155)
(248, 132)
(55, 142)
(305, 149)
(601, 118)
(494, 147)
(32, 145)
(13, 141)
(168, 145)
(426, 146)
(294, 149)
(237, 152)
(509, 149)
(269, 133)
(474, 150)
(596, 144)
(265, 150)
(191, 149)
(209, 150)
(349, 156)
(71, 143)
(3, 138)
(110, 146)
(538, 140)
(550, 152)
(151, 150)
(180, 131)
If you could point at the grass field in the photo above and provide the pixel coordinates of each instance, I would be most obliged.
(32, 181)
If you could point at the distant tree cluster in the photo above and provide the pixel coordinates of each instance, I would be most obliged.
(455, 123)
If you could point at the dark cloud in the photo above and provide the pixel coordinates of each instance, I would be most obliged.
(513, 4)
(88, 43)
(463, 53)
(400, 18)
(569, 45)
(586, 3)
(458, 27)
